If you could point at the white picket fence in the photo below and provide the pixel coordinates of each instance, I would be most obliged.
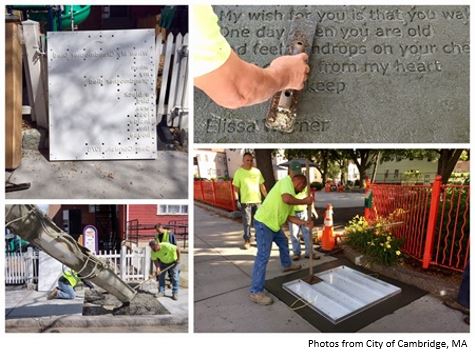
(174, 85)
(21, 268)
(131, 265)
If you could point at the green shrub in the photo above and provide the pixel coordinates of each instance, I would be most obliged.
(374, 240)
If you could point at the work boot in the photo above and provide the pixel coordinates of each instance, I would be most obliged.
(53, 294)
(293, 267)
(247, 245)
(314, 257)
(175, 296)
(453, 304)
(296, 257)
(260, 298)
(159, 295)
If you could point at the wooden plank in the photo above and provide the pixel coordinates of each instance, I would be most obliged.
(13, 93)
(35, 72)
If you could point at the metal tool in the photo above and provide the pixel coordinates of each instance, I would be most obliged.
(283, 105)
(311, 278)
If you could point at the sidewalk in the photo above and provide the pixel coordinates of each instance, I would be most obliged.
(163, 178)
(223, 275)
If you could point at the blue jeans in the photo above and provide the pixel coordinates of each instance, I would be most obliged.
(294, 235)
(247, 213)
(173, 273)
(264, 237)
(65, 291)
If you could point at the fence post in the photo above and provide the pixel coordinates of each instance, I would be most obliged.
(123, 261)
(29, 263)
(434, 208)
(202, 191)
(148, 253)
(213, 189)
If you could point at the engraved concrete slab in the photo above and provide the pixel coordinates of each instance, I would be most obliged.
(379, 74)
(102, 95)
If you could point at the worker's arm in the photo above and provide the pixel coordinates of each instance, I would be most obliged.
(236, 192)
(263, 190)
(238, 83)
(300, 222)
(177, 254)
(290, 200)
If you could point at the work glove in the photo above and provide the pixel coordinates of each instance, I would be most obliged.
(238, 205)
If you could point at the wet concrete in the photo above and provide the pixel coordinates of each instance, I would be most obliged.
(101, 303)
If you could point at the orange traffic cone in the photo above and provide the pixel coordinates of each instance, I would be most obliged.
(328, 238)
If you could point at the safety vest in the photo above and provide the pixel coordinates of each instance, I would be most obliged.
(165, 237)
(71, 277)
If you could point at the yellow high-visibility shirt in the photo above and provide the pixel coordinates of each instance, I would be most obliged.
(249, 184)
(210, 49)
(274, 211)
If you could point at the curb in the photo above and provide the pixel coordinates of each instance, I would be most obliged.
(40, 324)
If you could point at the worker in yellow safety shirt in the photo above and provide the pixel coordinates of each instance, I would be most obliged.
(164, 235)
(276, 210)
(249, 188)
(230, 81)
(166, 258)
(66, 284)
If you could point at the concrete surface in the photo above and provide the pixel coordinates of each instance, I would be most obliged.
(30, 311)
(410, 91)
(426, 314)
(222, 279)
(163, 178)
(24, 303)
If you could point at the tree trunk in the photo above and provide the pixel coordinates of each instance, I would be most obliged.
(446, 164)
(264, 163)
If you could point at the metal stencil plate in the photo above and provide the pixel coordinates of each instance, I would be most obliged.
(102, 95)
(342, 293)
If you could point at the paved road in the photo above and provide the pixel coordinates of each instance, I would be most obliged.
(223, 275)
(339, 199)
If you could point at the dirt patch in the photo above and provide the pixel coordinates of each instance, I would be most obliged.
(101, 303)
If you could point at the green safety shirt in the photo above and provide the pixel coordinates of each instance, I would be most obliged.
(166, 255)
(301, 196)
(274, 211)
(249, 182)
(165, 237)
(71, 277)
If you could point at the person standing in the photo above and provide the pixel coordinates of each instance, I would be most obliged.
(300, 211)
(166, 258)
(164, 235)
(249, 188)
(274, 212)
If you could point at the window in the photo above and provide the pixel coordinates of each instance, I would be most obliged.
(172, 209)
